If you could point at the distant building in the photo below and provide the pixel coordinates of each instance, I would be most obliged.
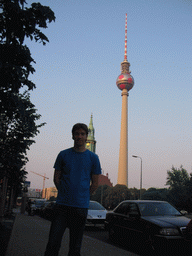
(47, 193)
(33, 192)
(104, 180)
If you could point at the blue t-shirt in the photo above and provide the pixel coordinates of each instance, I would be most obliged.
(76, 169)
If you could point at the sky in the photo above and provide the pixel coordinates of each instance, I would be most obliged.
(76, 76)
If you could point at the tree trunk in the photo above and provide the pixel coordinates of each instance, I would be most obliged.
(3, 196)
(11, 196)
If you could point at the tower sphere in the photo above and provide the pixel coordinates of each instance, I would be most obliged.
(125, 81)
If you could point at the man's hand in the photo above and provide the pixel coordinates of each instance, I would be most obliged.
(94, 184)
(57, 178)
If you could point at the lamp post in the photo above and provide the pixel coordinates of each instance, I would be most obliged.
(141, 175)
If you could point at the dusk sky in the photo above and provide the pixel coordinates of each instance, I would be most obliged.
(76, 76)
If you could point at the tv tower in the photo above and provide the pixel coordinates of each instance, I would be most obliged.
(125, 83)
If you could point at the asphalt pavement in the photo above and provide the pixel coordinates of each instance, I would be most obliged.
(6, 226)
(30, 235)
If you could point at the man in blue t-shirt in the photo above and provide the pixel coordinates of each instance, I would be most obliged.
(76, 176)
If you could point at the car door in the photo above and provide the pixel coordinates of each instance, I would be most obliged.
(116, 220)
(132, 223)
(119, 219)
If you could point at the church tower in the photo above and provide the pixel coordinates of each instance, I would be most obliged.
(91, 142)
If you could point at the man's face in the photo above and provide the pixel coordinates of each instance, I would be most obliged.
(80, 138)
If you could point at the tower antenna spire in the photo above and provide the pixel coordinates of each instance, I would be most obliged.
(125, 55)
(125, 64)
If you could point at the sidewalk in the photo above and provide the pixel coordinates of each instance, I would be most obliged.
(6, 226)
(30, 234)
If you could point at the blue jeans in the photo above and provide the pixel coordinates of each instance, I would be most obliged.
(74, 219)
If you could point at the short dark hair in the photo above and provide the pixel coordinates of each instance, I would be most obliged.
(79, 126)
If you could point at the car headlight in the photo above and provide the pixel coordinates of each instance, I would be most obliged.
(169, 232)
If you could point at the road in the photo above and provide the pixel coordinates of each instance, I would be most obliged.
(30, 235)
(101, 234)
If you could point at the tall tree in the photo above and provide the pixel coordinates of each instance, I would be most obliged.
(180, 188)
(99, 194)
(156, 194)
(18, 115)
(177, 177)
(16, 24)
(114, 195)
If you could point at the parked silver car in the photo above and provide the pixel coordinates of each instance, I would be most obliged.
(96, 213)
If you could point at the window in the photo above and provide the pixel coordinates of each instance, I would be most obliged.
(122, 209)
(95, 206)
(133, 209)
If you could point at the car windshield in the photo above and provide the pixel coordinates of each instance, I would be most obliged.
(95, 206)
(157, 209)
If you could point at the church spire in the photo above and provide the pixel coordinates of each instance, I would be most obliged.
(91, 129)
(91, 142)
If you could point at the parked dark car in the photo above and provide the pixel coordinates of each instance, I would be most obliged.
(48, 211)
(42, 208)
(157, 224)
(28, 207)
(35, 207)
(96, 213)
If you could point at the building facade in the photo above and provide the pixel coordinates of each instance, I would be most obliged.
(47, 193)
(104, 180)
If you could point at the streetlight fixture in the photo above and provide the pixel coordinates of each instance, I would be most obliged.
(141, 175)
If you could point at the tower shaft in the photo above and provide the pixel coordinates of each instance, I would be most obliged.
(123, 152)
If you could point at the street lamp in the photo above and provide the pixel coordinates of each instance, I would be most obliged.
(141, 174)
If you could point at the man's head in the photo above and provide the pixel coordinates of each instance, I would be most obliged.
(80, 126)
(79, 135)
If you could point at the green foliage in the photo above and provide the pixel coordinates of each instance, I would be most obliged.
(135, 193)
(179, 192)
(16, 24)
(155, 194)
(114, 195)
(17, 133)
(177, 177)
(18, 115)
(99, 194)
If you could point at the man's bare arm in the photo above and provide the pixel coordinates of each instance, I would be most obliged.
(57, 178)
(94, 183)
